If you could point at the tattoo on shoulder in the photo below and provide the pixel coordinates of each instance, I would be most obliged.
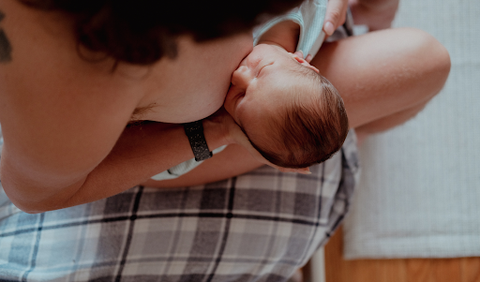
(5, 47)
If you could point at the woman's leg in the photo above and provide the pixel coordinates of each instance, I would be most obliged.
(387, 122)
(384, 75)
(390, 121)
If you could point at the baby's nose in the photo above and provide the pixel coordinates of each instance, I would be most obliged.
(241, 76)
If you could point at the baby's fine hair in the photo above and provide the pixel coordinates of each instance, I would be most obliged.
(308, 131)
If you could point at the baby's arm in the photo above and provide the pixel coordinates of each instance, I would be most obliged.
(284, 34)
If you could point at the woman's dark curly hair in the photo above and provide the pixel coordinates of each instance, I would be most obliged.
(143, 31)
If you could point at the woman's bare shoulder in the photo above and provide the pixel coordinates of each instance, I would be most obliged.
(55, 105)
(45, 40)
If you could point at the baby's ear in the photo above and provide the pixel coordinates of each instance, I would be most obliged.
(298, 56)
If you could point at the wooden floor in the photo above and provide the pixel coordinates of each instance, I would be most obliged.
(397, 270)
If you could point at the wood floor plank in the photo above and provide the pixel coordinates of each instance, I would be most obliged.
(396, 270)
(446, 270)
(419, 270)
(470, 269)
(364, 270)
(335, 270)
(392, 270)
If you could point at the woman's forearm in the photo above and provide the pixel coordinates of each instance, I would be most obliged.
(232, 161)
(141, 152)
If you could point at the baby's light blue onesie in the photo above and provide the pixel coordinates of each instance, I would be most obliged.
(309, 16)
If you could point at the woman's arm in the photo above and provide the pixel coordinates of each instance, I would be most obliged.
(232, 161)
(75, 151)
(64, 146)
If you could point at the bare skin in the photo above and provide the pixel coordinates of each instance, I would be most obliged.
(376, 14)
(44, 164)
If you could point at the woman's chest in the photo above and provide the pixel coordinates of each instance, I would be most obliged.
(194, 84)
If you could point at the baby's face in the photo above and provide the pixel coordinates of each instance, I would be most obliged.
(259, 83)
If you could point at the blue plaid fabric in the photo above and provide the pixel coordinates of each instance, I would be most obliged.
(260, 226)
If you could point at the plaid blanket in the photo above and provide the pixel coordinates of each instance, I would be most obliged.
(260, 226)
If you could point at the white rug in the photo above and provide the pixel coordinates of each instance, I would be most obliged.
(419, 195)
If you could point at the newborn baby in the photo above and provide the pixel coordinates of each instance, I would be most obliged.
(291, 114)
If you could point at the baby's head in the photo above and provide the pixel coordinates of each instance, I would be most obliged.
(292, 115)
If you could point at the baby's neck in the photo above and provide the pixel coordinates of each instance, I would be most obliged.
(284, 34)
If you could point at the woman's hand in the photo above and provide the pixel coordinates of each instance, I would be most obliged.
(376, 14)
(235, 135)
(335, 17)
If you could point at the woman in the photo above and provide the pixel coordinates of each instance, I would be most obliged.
(67, 143)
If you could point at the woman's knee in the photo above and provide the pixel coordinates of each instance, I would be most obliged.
(430, 58)
(384, 72)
